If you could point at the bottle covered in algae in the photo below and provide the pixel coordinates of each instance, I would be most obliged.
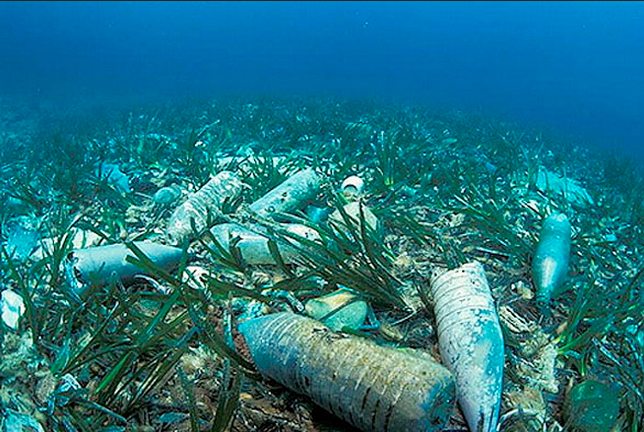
(470, 342)
(202, 207)
(289, 195)
(550, 261)
(374, 388)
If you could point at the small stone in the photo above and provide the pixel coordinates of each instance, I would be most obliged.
(166, 195)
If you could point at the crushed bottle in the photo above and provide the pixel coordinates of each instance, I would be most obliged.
(202, 207)
(374, 388)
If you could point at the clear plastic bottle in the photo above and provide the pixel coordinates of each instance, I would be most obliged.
(200, 206)
(375, 388)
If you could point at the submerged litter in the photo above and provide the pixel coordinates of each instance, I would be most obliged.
(355, 212)
(166, 195)
(12, 306)
(550, 261)
(592, 406)
(114, 176)
(100, 265)
(14, 421)
(22, 237)
(550, 182)
(131, 342)
(79, 239)
(256, 249)
(289, 195)
(470, 342)
(352, 187)
(376, 389)
(202, 207)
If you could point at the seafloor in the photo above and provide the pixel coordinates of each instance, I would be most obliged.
(447, 188)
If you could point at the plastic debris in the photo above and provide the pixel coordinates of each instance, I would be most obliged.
(22, 237)
(114, 176)
(98, 266)
(243, 162)
(374, 388)
(202, 207)
(254, 247)
(60, 396)
(574, 193)
(352, 187)
(289, 195)
(592, 406)
(12, 306)
(353, 212)
(14, 421)
(318, 214)
(338, 310)
(550, 261)
(79, 239)
(470, 342)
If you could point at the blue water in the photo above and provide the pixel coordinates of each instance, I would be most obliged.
(575, 68)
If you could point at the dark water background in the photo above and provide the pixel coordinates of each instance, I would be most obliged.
(575, 68)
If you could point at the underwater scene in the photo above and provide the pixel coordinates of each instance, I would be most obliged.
(321, 216)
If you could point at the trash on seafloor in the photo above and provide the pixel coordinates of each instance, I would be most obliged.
(352, 210)
(339, 309)
(254, 248)
(115, 177)
(243, 162)
(202, 207)
(79, 239)
(574, 193)
(592, 406)
(289, 195)
(12, 306)
(14, 421)
(470, 342)
(22, 237)
(100, 265)
(61, 394)
(317, 214)
(352, 187)
(373, 388)
(550, 261)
